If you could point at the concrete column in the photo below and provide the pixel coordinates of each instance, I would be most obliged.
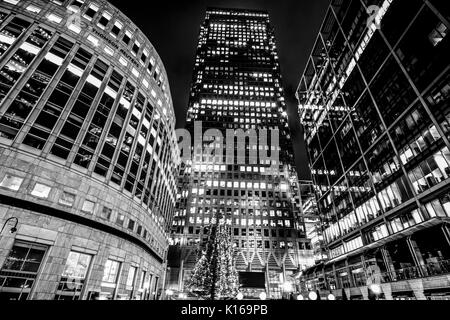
(152, 279)
(348, 293)
(163, 286)
(180, 276)
(350, 275)
(325, 278)
(267, 279)
(119, 277)
(417, 287)
(365, 293)
(336, 278)
(387, 290)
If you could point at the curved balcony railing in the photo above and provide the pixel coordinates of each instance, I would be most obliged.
(429, 269)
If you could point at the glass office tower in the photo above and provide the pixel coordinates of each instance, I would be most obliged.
(311, 217)
(237, 85)
(374, 100)
(87, 153)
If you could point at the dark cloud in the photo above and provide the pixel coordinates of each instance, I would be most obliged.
(173, 27)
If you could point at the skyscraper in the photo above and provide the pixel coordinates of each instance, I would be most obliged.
(310, 214)
(374, 100)
(237, 85)
(87, 147)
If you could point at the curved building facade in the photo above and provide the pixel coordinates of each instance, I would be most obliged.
(374, 101)
(87, 153)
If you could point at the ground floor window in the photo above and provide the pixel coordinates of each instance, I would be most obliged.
(19, 272)
(110, 279)
(74, 276)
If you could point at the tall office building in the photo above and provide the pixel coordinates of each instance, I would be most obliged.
(87, 147)
(311, 217)
(374, 100)
(237, 85)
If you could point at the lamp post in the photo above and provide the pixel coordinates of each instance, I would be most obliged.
(374, 291)
(287, 288)
(313, 295)
(14, 228)
(168, 293)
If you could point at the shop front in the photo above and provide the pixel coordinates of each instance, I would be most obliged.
(403, 295)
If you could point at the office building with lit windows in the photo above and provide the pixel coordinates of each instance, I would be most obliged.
(237, 85)
(374, 100)
(87, 153)
(311, 218)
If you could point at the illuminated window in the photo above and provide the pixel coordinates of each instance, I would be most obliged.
(88, 206)
(11, 182)
(438, 34)
(20, 270)
(74, 28)
(74, 276)
(104, 20)
(54, 18)
(33, 9)
(41, 190)
(131, 276)
(117, 27)
(127, 37)
(95, 41)
(111, 271)
(91, 11)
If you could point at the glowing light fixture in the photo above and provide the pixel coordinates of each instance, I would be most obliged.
(312, 295)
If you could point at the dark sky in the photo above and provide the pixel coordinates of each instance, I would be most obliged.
(173, 28)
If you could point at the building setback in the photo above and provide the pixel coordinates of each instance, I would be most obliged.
(374, 100)
(237, 85)
(87, 153)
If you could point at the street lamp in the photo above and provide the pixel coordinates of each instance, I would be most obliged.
(263, 296)
(169, 293)
(287, 287)
(300, 297)
(374, 291)
(14, 228)
(331, 297)
(312, 295)
(182, 296)
(240, 296)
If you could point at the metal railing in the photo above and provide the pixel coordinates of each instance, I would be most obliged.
(429, 269)
(437, 268)
(400, 275)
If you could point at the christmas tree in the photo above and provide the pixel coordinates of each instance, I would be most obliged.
(214, 275)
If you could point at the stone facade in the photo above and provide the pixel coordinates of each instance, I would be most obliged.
(88, 154)
(63, 235)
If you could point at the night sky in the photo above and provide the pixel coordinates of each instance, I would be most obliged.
(173, 28)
